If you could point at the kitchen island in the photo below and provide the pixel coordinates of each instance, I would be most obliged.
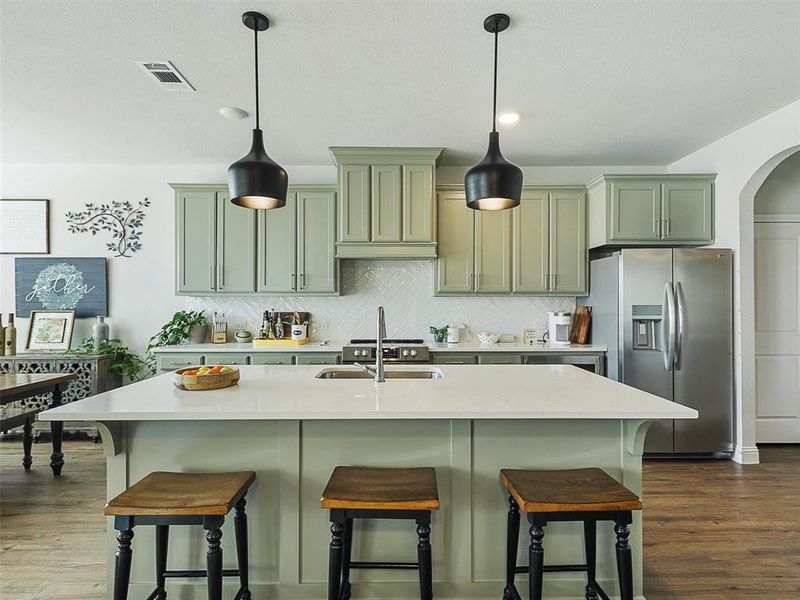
(293, 427)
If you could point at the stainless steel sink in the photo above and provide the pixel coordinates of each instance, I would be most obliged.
(359, 374)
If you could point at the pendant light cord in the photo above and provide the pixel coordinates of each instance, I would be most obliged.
(255, 38)
(494, 99)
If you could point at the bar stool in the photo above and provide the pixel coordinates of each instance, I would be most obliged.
(164, 499)
(587, 495)
(375, 493)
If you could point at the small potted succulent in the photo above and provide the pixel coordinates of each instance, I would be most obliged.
(439, 333)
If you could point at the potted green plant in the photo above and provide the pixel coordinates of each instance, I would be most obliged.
(124, 362)
(184, 325)
(438, 333)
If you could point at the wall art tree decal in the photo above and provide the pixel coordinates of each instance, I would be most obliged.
(122, 219)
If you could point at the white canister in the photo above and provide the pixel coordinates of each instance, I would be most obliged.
(300, 332)
(558, 327)
(454, 333)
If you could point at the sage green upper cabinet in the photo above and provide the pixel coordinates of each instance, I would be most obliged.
(236, 242)
(492, 250)
(195, 221)
(550, 253)
(651, 210)
(418, 213)
(531, 242)
(687, 210)
(354, 191)
(316, 231)
(568, 253)
(277, 245)
(386, 202)
(387, 211)
(215, 240)
(635, 210)
(455, 266)
(296, 244)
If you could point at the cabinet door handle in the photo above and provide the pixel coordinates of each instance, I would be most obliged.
(479, 280)
(553, 282)
(658, 228)
(220, 276)
(212, 279)
(302, 281)
(470, 281)
(294, 281)
(666, 228)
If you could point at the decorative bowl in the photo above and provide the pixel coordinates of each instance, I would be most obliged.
(209, 381)
(485, 338)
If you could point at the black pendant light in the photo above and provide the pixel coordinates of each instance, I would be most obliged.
(257, 181)
(494, 183)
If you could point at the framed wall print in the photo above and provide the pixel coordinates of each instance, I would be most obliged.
(50, 330)
(24, 226)
(45, 283)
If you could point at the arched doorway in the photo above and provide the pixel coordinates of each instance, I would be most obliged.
(747, 433)
(777, 304)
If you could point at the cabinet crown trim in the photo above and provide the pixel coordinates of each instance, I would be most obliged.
(375, 155)
(649, 176)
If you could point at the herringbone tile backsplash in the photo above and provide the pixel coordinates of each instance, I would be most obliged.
(405, 290)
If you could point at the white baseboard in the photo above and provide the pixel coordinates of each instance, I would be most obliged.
(746, 455)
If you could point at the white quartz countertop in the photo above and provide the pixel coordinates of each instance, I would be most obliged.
(336, 347)
(464, 392)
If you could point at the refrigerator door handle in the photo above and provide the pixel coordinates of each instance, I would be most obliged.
(681, 325)
(668, 329)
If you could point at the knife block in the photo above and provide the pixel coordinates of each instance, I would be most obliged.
(220, 337)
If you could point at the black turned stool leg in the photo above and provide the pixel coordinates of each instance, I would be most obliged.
(624, 563)
(347, 550)
(590, 544)
(162, 541)
(57, 433)
(424, 558)
(240, 530)
(536, 559)
(122, 564)
(512, 541)
(335, 558)
(27, 443)
(214, 563)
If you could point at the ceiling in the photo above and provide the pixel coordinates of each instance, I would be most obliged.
(599, 82)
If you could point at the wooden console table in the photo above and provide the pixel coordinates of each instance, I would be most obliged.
(19, 387)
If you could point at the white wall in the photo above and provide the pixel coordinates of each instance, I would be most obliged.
(141, 288)
(738, 159)
(780, 193)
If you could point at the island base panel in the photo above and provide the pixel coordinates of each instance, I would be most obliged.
(289, 533)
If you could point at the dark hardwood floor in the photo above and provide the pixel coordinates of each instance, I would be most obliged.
(713, 529)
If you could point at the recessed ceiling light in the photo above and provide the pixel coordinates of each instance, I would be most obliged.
(508, 118)
(233, 113)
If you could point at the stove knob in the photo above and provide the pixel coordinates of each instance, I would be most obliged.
(405, 352)
(413, 353)
(356, 352)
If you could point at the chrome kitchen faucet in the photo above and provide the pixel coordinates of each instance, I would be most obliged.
(377, 370)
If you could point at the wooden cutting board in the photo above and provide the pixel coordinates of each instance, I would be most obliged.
(579, 329)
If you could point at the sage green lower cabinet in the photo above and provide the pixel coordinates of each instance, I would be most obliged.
(499, 358)
(687, 210)
(455, 266)
(297, 244)
(196, 250)
(178, 360)
(651, 210)
(531, 241)
(453, 358)
(492, 251)
(569, 256)
(226, 358)
(317, 358)
(272, 358)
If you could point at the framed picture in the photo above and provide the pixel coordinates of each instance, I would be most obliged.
(50, 330)
(78, 284)
(24, 226)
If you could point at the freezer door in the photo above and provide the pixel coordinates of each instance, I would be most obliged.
(703, 280)
(646, 276)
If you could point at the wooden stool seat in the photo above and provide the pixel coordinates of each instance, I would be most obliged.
(182, 494)
(571, 490)
(371, 488)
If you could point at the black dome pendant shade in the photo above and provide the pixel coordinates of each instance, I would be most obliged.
(255, 180)
(494, 183)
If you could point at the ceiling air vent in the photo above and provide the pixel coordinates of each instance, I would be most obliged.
(166, 76)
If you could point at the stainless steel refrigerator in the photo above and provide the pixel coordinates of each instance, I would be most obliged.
(666, 316)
